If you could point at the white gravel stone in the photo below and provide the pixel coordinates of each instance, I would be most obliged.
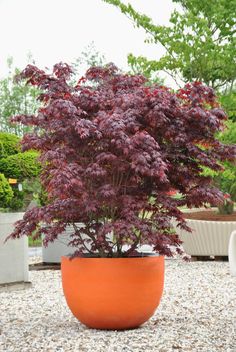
(35, 260)
(197, 313)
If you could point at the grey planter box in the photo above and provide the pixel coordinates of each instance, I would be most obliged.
(54, 251)
(13, 253)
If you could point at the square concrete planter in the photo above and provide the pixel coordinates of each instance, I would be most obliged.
(13, 253)
(54, 251)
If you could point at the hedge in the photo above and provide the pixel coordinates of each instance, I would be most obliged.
(6, 193)
(21, 165)
(9, 144)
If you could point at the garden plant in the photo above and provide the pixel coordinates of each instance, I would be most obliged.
(111, 149)
(6, 193)
(23, 167)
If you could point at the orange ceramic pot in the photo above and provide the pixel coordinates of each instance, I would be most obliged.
(113, 293)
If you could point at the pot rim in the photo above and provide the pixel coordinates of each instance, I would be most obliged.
(88, 256)
(212, 221)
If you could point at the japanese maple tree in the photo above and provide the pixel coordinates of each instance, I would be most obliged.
(112, 150)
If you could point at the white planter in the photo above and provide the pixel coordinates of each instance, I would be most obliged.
(209, 238)
(232, 253)
(13, 253)
(55, 250)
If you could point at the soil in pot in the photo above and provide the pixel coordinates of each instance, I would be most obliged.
(210, 215)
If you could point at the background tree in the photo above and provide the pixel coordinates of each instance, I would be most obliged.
(138, 67)
(15, 98)
(200, 41)
(90, 56)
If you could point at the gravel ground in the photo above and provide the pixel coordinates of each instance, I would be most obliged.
(35, 260)
(197, 313)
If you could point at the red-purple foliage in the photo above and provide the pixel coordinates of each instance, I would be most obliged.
(111, 149)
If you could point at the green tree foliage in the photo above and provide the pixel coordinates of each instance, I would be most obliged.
(6, 193)
(228, 102)
(9, 144)
(139, 67)
(228, 136)
(15, 98)
(200, 41)
(21, 165)
(226, 179)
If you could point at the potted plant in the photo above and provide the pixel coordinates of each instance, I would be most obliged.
(111, 149)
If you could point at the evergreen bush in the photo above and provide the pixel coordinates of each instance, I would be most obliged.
(6, 193)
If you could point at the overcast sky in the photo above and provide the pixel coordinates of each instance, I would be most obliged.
(58, 30)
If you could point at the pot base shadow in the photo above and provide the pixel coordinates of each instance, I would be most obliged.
(15, 286)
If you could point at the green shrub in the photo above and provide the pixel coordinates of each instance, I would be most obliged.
(34, 242)
(232, 191)
(6, 193)
(21, 165)
(226, 180)
(9, 144)
(228, 101)
(229, 134)
(17, 202)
